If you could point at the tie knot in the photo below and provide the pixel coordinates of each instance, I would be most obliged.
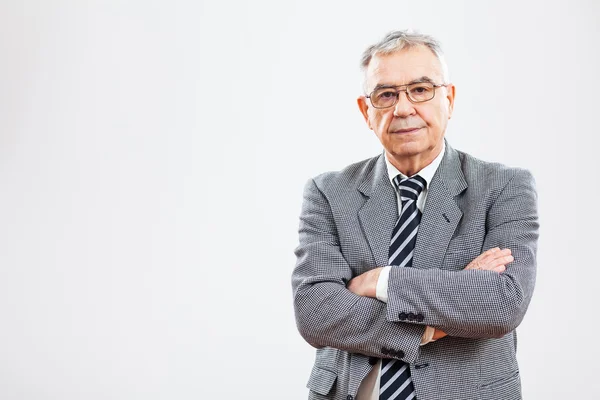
(410, 188)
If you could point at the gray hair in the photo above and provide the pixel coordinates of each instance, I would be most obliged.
(398, 40)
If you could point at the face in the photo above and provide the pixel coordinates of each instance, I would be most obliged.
(411, 133)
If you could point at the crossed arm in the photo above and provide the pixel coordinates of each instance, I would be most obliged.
(490, 260)
(487, 299)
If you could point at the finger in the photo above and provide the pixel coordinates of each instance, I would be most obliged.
(505, 259)
(498, 255)
(486, 255)
(502, 261)
(499, 269)
(497, 250)
(491, 251)
(487, 258)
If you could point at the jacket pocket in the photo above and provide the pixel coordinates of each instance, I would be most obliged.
(507, 388)
(458, 244)
(321, 380)
(461, 251)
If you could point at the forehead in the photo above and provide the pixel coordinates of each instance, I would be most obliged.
(404, 66)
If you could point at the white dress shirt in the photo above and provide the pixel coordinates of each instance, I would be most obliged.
(369, 387)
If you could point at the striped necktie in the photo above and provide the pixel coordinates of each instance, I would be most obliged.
(395, 382)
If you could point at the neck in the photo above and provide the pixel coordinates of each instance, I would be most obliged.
(410, 165)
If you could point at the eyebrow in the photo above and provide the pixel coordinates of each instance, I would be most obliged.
(418, 80)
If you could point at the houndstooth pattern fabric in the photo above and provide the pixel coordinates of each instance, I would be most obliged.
(345, 226)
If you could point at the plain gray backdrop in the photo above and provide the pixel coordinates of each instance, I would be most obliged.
(152, 160)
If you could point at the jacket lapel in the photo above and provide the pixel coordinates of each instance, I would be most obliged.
(379, 213)
(441, 214)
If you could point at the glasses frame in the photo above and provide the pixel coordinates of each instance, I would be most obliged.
(435, 86)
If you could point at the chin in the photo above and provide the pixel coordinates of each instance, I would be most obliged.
(408, 149)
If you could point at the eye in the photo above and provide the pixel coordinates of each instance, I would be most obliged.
(386, 95)
(421, 89)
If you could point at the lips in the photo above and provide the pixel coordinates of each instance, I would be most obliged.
(405, 130)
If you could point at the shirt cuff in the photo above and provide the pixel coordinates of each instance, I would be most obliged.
(428, 335)
(381, 292)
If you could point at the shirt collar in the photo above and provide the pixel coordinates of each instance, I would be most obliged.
(426, 173)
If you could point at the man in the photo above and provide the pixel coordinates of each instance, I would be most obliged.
(414, 267)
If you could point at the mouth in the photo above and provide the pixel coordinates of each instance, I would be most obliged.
(405, 131)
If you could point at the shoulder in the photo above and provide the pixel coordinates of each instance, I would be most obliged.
(347, 179)
(488, 174)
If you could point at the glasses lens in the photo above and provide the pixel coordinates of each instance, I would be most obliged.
(383, 98)
(421, 91)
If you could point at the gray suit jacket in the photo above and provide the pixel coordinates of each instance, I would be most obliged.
(345, 227)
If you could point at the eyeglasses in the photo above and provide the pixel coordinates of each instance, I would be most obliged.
(417, 92)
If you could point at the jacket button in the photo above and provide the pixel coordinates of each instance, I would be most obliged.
(372, 360)
(402, 316)
(420, 317)
(411, 316)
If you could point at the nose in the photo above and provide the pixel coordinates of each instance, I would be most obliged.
(404, 107)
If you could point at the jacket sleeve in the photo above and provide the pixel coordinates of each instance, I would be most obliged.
(327, 313)
(475, 303)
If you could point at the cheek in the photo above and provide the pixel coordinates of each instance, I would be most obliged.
(434, 118)
(383, 121)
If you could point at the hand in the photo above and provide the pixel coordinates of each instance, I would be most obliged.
(492, 260)
(365, 284)
(438, 334)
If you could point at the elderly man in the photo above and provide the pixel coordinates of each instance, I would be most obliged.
(414, 267)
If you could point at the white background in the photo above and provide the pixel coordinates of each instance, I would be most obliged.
(152, 160)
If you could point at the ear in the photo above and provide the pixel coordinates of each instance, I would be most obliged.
(450, 93)
(364, 109)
